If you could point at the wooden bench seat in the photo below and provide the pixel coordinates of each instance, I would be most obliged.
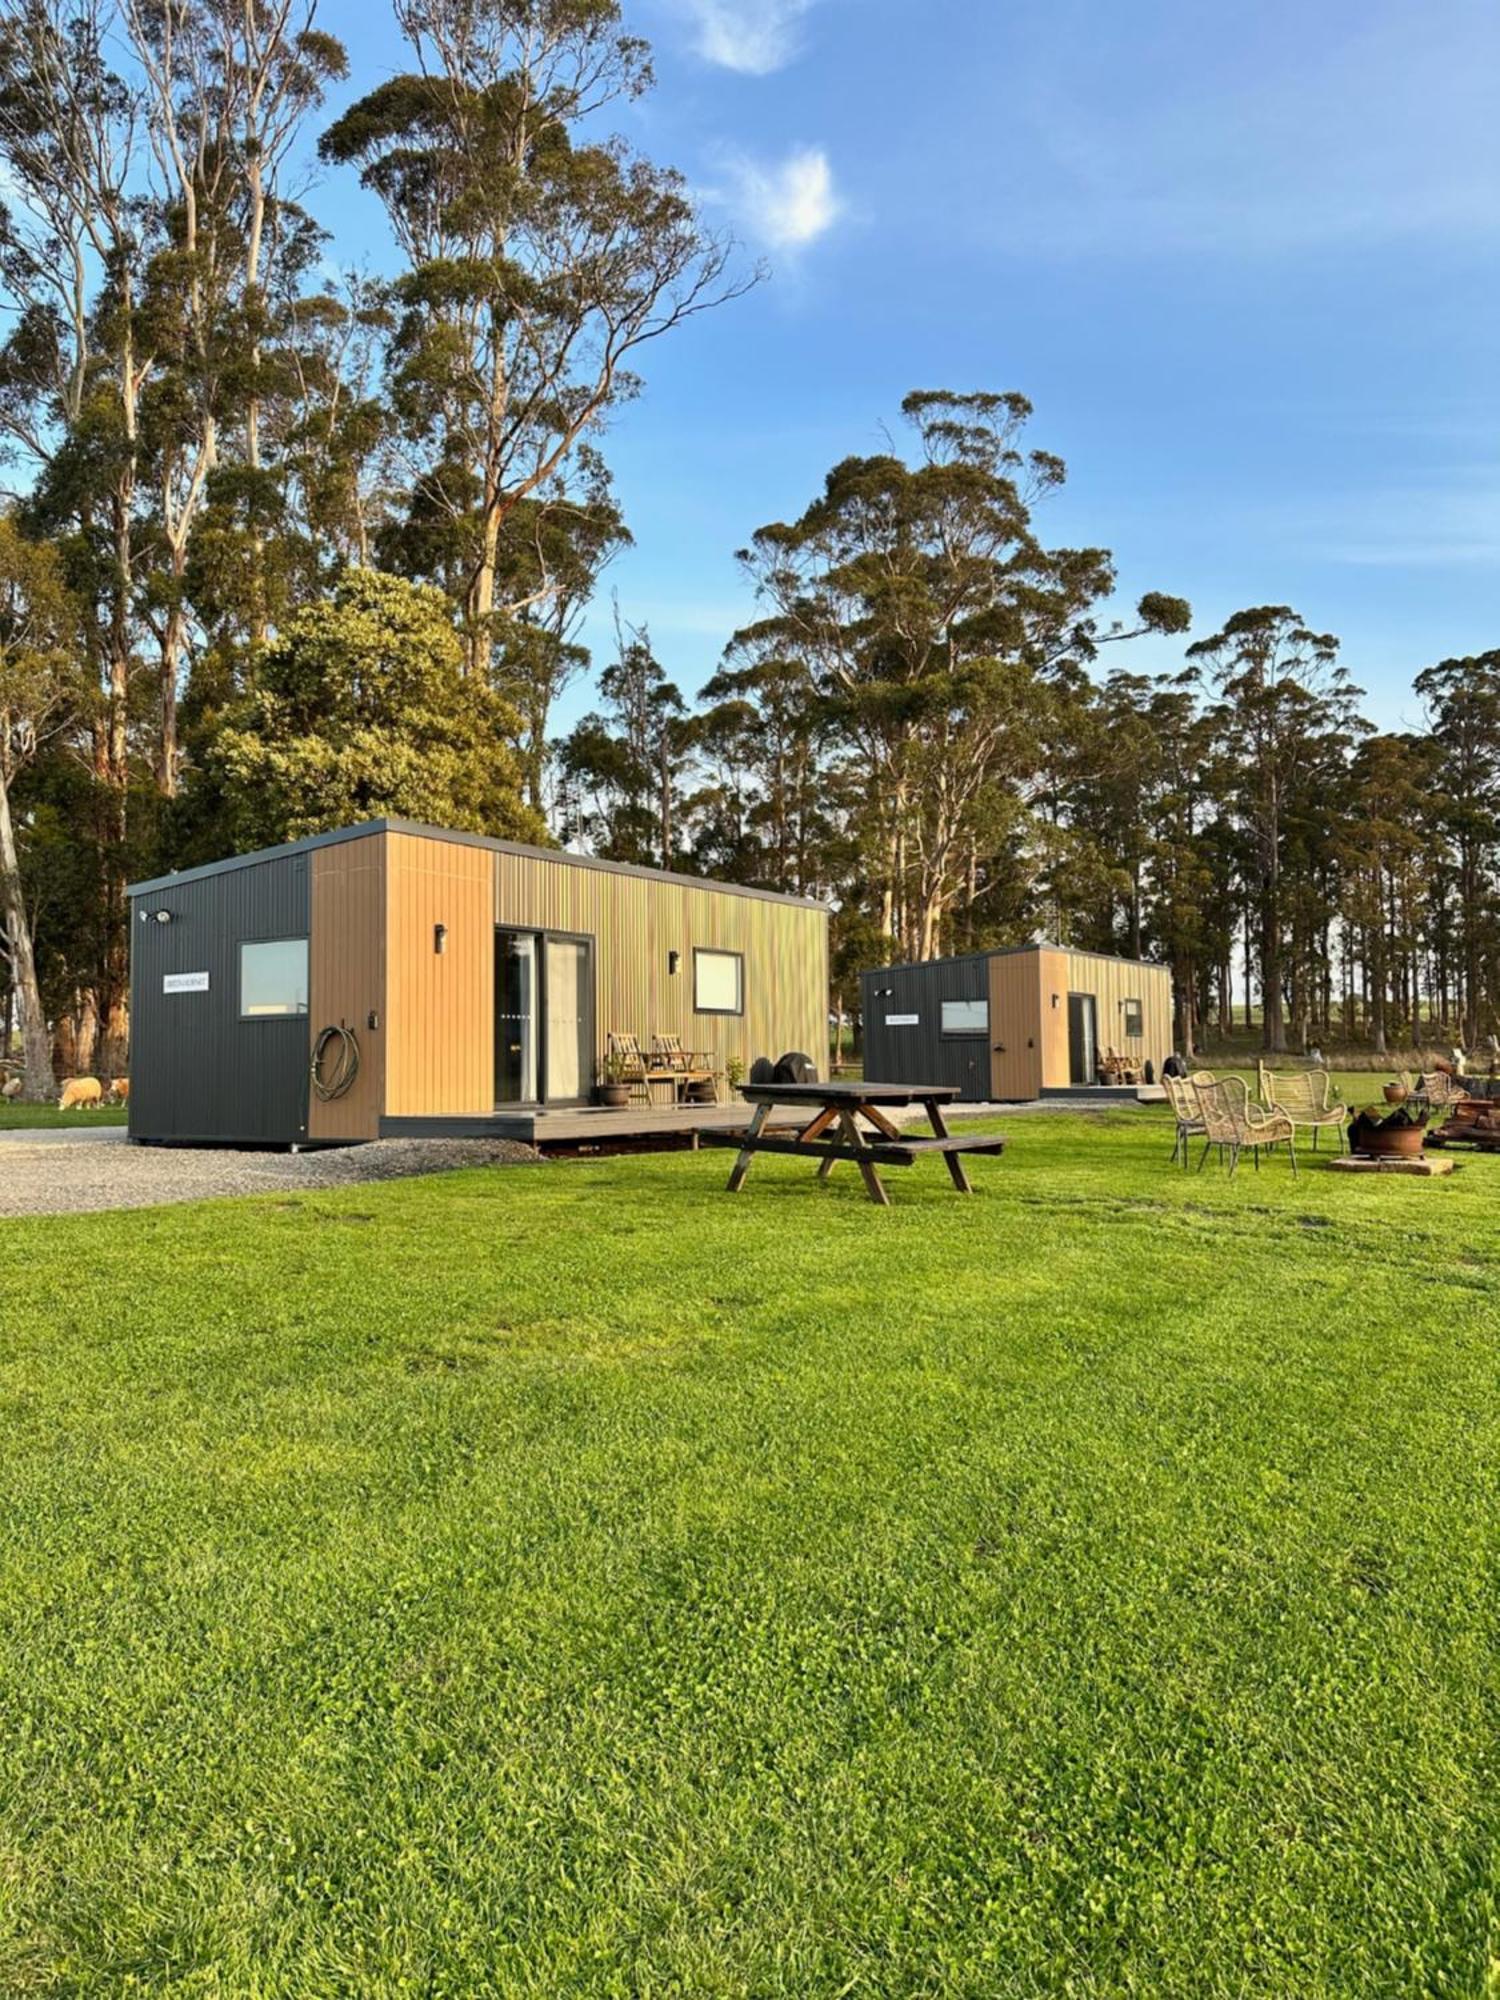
(879, 1152)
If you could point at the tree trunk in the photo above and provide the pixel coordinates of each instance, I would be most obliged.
(36, 1050)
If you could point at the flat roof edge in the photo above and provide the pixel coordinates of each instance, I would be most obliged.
(561, 855)
(1014, 951)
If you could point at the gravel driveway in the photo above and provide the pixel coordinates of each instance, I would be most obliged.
(68, 1172)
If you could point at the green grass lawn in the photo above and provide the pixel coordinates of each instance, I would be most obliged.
(574, 1581)
(41, 1117)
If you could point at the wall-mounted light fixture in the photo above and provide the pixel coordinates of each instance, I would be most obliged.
(440, 938)
(674, 959)
(156, 916)
(1055, 998)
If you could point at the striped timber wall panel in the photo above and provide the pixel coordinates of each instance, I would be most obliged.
(1112, 981)
(347, 973)
(636, 922)
(440, 1006)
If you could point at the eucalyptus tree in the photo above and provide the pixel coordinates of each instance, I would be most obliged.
(75, 240)
(40, 691)
(1463, 705)
(937, 627)
(776, 796)
(541, 259)
(228, 90)
(1285, 714)
(624, 769)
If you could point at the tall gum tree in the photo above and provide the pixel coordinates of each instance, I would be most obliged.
(73, 247)
(541, 259)
(939, 629)
(1285, 721)
(40, 687)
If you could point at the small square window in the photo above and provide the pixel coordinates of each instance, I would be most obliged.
(1135, 1025)
(966, 1017)
(718, 982)
(273, 979)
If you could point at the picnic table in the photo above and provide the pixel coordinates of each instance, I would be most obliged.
(834, 1131)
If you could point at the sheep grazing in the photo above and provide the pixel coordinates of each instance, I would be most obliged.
(12, 1087)
(80, 1092)
(119, 1090)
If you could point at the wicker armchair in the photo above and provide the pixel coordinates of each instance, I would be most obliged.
(1308, 1099)
(1183, 1099)
(1232, 1123)
(1439, 1088)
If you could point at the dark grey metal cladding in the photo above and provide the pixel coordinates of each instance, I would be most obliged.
(197, 1071)
(919, 1052)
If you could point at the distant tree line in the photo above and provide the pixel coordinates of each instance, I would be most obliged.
(286, 549)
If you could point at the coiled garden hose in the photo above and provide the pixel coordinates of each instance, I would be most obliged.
(345, 1067)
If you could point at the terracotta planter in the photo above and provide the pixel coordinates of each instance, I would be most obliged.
(1395, 1093)
(613, 1096)
(1393, 1142)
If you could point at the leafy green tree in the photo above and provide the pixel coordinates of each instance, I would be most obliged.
(935, 625)
(624, 770)
(541, 259)
(767, 814)
(1463, 703)
(361, 709)
(40, 687)
(1285, 717)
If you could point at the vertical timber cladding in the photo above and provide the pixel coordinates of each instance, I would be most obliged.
(1112, 981)
(1016, 1031)
(347, 977)
(637, 922)
(198, 1071)
(440, 1004)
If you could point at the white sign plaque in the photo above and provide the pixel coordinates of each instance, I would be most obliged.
(902, 1020)
(184, 982)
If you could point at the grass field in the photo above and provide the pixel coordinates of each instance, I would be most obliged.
(41, 1117)
(577, 1582)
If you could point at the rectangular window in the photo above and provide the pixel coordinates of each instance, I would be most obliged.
(1135, 1025)
(966, 1017)
(718, 982)
(273, 979)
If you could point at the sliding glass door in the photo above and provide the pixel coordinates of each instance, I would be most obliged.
(544, 1018)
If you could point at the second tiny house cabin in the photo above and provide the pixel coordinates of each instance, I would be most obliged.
(1010, 1026)
(481, 981)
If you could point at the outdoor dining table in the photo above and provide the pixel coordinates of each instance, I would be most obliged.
(834, 1130)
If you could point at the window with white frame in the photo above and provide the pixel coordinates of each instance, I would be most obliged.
(718, 982)
(966, 1017)
(273, 979)
(1135, 1025)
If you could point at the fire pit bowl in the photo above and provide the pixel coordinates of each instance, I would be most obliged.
(1398, 1135)
(1401, 1142)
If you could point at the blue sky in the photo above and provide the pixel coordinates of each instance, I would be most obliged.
(1245, 263)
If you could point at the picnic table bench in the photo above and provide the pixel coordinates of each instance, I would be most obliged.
(834, 1133)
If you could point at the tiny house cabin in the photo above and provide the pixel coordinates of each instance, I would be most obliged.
(474, 984)
(1014, 1025)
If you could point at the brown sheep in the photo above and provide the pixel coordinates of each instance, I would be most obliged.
(80, 1092)
(119, 1090)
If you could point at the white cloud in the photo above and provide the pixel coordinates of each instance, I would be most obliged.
(752, 36)
(789, 204)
